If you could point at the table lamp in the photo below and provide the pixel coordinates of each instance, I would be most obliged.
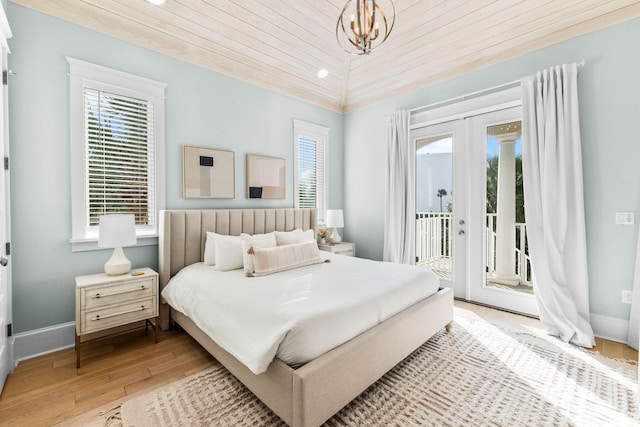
(335, 219)
(116, 231)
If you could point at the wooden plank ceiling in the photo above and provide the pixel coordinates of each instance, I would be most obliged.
(281, 44)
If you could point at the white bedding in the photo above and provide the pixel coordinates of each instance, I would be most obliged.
(299, 314)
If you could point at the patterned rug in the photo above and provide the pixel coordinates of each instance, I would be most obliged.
(479, 374)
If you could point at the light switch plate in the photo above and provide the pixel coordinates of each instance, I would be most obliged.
(625, 218)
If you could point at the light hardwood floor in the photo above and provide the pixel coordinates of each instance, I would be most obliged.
(48, 389)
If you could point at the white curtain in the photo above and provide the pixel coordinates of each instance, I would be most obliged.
(399, 212)
(634, 319)
(554, 202)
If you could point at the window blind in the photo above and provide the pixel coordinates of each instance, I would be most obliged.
(311, 174)
(119, 137)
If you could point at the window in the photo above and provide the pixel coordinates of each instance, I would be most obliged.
(310, 153)
(117, 146)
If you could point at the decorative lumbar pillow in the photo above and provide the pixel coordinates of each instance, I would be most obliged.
(281, 258)
(295, 236)
(228, 252)
(210, 249)
(267, 240)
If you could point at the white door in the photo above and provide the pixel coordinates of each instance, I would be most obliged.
(499, 268)
(474, 248)
(6, 348)
(441, 202)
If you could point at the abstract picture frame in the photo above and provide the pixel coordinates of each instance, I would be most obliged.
(207, 173)
(266, 177)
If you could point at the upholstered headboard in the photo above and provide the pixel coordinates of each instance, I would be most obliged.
(183, 234)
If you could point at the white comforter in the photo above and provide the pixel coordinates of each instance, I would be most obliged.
(299, 314)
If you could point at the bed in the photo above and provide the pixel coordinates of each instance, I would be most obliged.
(312, 393)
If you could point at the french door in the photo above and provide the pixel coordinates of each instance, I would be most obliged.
(441, 202)
(470, 225)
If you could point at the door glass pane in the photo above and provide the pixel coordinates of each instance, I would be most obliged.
(434, 204)
(507, 256)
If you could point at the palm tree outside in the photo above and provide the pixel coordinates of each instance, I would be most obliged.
(441, 193)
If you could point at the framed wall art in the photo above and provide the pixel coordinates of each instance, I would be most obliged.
(207, 173)
(265, 177)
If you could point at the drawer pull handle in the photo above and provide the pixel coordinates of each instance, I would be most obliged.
(106, 316)
(98, 295)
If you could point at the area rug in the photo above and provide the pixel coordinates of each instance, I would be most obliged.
(479, 374)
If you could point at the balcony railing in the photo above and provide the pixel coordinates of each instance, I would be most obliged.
(523, 263)
(434, 231)
(433, 236)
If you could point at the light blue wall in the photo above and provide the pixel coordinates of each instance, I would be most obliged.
(609, 93)
(202, 108)
(208, 109)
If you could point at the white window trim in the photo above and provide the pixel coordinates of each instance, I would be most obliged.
(81, 73)
(319, 133)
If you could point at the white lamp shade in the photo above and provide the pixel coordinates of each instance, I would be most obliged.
(335, 218)
(117, 230)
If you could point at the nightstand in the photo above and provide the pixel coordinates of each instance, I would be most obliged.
(343, 248)
(104, 302)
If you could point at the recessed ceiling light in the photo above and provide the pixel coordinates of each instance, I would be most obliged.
(322, 74)
(156, 2)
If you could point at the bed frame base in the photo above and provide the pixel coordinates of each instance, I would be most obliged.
(311, 394)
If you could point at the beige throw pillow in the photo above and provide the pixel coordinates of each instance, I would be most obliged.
(281, 258)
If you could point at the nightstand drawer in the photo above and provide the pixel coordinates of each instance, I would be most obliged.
(347, 252)
(344, 248)
(108, 317)
(101, 296)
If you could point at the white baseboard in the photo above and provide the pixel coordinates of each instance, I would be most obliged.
(610, 328)
(27, 345)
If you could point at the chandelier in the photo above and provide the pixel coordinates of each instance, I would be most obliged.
(363, 26)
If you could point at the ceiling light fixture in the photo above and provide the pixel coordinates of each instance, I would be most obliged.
(322, 73)
(156, 2)
(367, 28)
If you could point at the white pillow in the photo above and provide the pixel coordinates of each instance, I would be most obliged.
(210, 249)
(228, 252)
(267, 240)
(295, 236)
(287, 257)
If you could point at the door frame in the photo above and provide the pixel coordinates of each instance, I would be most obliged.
(5, 272)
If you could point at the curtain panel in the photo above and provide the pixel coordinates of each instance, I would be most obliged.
(554, 202)
(399, 212)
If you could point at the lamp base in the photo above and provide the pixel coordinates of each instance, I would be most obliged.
(335, 237)
(118, 263)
